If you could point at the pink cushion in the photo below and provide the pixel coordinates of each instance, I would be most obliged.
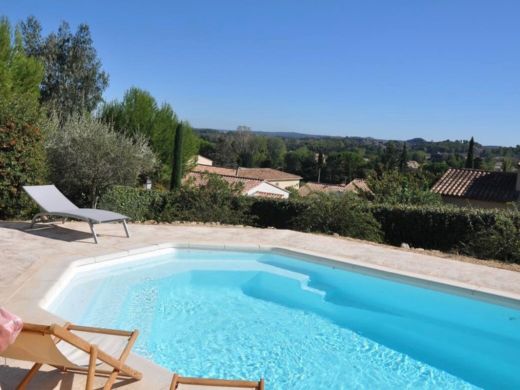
(10, 327)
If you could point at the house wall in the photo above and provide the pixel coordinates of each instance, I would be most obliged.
(268, 188)
(286, 183)
(203, 160)
(464, 202)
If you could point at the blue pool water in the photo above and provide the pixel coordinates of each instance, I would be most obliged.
(298, 324)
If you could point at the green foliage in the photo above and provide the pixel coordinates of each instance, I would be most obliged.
(86, 156)
(403, 159)
(344, 215)
(477, 233)
(139, 113)
(275, 152)
(393, 187)
(500, 241)
(74, 81)
(177, 168)
(470, 159)
(137, 203)
(276, 213)
(21, 149)
(216, 201)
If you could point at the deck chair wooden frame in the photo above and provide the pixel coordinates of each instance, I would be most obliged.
(239, 384)
(49, 336)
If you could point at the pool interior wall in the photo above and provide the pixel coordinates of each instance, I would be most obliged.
(470, 339)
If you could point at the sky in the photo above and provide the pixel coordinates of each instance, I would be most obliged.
(391, 69)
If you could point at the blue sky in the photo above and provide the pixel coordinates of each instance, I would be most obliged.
(394, 69)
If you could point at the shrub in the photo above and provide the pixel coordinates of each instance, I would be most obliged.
(501, 241)
(393, 187)
(344, 215)
(215, 201)
(138, 204)
(479, 233)
(86, 157)
(21, 150)
(276, 213)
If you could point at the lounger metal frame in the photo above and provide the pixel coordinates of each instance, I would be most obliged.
(90, 222)
(42, 195)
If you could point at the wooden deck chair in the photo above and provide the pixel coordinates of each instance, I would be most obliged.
(186, 383)
(75, 349)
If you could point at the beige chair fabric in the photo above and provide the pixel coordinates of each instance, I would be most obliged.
(75, 348)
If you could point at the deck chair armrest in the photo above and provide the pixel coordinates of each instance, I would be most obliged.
(89, 329)
(66, 335)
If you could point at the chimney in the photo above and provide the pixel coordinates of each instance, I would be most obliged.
(518, 177)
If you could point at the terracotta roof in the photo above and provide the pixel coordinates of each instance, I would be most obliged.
(356, 186)
(268, 195)
(267, 174)
(478, 185)
(213, 169)
(250, 173)
(201, 178)
(320, 187)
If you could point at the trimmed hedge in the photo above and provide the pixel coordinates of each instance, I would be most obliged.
(478, 233)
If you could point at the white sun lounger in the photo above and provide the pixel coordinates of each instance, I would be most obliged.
(53, 203)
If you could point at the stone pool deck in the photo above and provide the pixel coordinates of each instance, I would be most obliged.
(32, 260)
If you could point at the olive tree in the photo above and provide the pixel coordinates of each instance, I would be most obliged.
(86, 156)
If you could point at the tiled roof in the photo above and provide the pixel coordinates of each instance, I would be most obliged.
(267, 174)
(250, 173)
(356, 186)
(201, 178)
(478, 185)
(213, 169)
(268, 195)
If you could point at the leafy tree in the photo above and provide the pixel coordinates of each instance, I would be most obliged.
(86, 156)
(21, 148)
(276, 151)
(390, 157)
(470, 159)
(74, 81)
(246, 145)
(393, 187)
(224, 154)
(139, 113)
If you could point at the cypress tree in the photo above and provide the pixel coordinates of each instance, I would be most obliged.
(470, 159)
(404, 158)
(176, 179)
(320, 165)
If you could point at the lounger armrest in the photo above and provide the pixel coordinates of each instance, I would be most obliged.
(89, 329)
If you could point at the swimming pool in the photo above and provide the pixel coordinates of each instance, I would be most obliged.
(299, 324)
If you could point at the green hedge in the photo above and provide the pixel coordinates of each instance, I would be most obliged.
(438, 227)
(478, 233)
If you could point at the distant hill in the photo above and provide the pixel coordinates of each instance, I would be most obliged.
(414, 143)
(281, 134)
